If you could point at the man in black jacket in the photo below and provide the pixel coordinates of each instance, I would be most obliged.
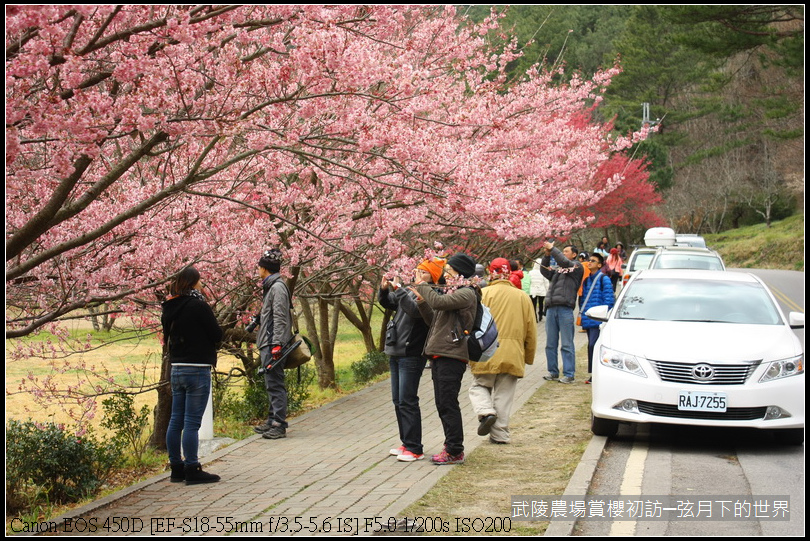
(565, 280)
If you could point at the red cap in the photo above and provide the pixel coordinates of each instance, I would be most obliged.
(501, 266)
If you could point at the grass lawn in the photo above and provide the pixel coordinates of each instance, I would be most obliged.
(125, 361)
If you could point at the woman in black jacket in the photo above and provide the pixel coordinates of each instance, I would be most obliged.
(192, 334)
(404, 342)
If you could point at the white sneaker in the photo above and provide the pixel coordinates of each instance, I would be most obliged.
(398, 451)
(408, 456)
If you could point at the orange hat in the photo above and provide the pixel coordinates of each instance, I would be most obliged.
(434, 266)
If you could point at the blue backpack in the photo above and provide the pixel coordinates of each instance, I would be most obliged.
(482, 341)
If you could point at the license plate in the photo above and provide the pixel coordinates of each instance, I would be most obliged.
(699, 401)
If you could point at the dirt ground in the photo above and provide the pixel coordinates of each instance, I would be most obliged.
(549, 435)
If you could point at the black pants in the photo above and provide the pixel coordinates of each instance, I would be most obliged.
(447, 374)
(538, 307)
(276, 390)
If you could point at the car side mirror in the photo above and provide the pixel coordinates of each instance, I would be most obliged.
(796, 320)
(598, 313)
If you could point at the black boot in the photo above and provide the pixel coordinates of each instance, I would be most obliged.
(178, 473)
(196, 476)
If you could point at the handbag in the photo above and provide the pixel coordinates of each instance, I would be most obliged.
(299, 349)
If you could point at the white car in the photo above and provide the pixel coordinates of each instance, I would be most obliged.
(703, 348)
(640, 259)
(686, 257)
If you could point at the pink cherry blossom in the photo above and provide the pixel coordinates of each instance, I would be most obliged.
(144, 138)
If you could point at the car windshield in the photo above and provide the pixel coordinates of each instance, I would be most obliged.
(688, 261)
(698, 300)
(641, 261)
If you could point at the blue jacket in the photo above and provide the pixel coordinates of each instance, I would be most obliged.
(602, 296)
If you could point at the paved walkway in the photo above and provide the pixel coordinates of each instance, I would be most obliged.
(332, 473)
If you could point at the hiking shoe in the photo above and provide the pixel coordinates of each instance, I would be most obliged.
(398, 451)
(445, 459)
(551, 378)
(566, 379)
(262, 428)
(275, 433)
(408, 456)
(196, 476)
(485, 424)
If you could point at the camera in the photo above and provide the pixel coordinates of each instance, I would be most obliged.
(254, 322)
(391, 334)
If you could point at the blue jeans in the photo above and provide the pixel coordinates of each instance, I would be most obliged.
(405, 375)
(560, 333)
(191, 386)
(593, 336)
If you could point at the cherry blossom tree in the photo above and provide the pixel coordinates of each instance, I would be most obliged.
(634, 202)
(144, 138)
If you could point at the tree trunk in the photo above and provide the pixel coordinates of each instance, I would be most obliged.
(386, 318)
(163, 409)
(361, 322)
(326, 366)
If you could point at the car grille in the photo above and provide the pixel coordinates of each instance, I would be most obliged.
(724, 374)
(731, 414)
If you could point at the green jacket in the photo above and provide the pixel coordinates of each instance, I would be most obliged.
(452, 313)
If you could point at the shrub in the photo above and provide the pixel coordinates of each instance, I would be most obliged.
(298, 381)
(128, 425)
(372, 364)
(57, 466)
(252, 404)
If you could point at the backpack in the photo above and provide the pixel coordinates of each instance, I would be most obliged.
(482, 341)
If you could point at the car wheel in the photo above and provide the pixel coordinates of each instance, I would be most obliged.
(790, 436)
(604, 427)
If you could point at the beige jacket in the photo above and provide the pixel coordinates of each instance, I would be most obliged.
(514, 315)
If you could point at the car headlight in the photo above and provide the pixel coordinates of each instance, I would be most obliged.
(783, 369)
(621, 361)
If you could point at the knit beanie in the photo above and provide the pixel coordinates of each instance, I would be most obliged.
(462, 264)
(434, 267)
(271, 260)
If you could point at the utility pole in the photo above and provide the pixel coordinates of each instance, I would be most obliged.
(645, 116)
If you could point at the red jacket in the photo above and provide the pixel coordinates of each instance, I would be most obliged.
(516, 277)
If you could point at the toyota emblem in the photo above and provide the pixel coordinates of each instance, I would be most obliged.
(703, 372)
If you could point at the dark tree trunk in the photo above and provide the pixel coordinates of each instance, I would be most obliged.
(163, 409)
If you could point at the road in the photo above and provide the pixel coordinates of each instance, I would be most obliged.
(662, 460)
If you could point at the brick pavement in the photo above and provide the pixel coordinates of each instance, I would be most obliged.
(333, 464)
